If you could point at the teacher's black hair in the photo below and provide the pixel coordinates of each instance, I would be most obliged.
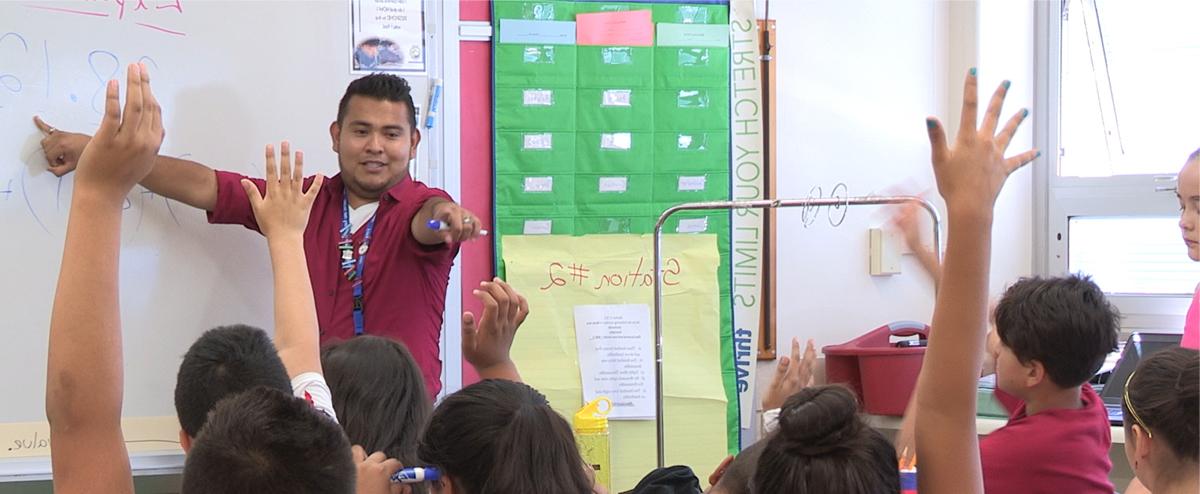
(383, 87)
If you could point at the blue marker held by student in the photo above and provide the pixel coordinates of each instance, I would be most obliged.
(416, 475)
(441, 226)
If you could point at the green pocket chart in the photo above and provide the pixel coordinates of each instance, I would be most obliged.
(676, 188)
(536, 225)
(613, 224)
(533, 10)
(535, 151)
(696, 151)
(535, 108)
(614, 109)
(614, 152)
(707, 13)
(691, 66)
(700, 108)
(596, 140)
(615, 66)
(530, 64)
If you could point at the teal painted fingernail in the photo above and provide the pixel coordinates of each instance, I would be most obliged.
(1006, 84)
(1024, 112)
(972, 71)
(1038, 155)
(929, 122)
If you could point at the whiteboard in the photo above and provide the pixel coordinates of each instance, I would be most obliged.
(231, 77)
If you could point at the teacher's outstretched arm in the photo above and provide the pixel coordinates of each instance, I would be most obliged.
(181, 180)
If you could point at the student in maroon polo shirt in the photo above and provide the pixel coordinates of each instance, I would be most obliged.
(376, 266)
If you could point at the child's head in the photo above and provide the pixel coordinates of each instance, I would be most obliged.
(264, 441)
(1052, 332)
(738, 476)
(224, 361)
(502, 436)
(1187, 189)
(1161, 406)
(823, 446)
(379, 394)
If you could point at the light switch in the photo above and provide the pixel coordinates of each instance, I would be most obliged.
(885, 252)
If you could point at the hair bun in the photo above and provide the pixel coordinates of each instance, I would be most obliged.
(818, 420)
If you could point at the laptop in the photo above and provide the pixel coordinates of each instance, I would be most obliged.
(1137, 347)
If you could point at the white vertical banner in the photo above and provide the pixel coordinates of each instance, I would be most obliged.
(747, 168)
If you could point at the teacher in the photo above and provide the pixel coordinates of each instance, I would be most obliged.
(376, 265)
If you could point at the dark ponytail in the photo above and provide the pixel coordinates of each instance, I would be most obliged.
(822, 446)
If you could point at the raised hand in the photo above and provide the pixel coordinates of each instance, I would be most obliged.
(486, 342)
(971, 172)
(125, 146)
(791, 375)
(283, 210)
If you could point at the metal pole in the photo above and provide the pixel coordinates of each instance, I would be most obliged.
(761, 204)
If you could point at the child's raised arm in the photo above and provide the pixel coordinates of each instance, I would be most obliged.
(282, 214)
(84, 379)
(970, 174)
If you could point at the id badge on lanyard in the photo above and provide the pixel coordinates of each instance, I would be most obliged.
(352, 267)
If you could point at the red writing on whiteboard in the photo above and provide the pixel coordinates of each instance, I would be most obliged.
(138, 11)
(637, 276)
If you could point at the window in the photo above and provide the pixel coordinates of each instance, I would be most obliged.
(1131, 255)
(1120, 113)
(1128, 87)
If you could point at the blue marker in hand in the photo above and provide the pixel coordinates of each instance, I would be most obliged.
(416, 475)
(441, 226)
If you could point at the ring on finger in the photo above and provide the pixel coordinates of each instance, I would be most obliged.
(467, 220)
(51, 131)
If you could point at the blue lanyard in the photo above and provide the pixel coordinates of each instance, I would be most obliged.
(353, 269)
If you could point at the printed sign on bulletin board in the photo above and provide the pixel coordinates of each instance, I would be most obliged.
(387, 36)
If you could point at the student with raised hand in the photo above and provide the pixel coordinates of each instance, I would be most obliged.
(791, 375)
(822, 445)
(281, 211)
(84, 379)
(251, 440)
(263, 440)
(970, 173)
(486, 343)
(1161, 405)
(906, 219)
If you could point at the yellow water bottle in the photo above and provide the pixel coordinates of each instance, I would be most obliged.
(591, 434)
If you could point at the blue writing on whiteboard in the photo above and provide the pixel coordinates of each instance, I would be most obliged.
(9, 81)
(94, 58)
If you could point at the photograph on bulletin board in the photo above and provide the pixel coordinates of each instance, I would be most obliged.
(387, 36)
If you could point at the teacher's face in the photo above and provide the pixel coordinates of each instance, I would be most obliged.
(374, 142)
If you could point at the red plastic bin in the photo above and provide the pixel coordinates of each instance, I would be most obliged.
(882, 374)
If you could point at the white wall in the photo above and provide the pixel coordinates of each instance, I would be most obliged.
(856, 80)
